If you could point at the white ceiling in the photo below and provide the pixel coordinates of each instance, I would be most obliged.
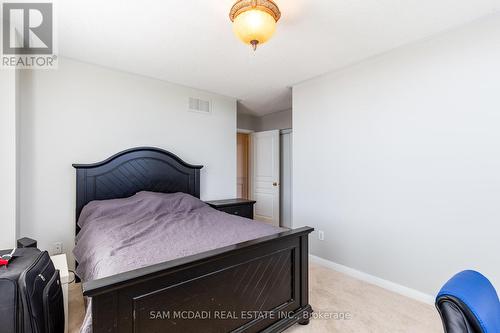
(190, 42)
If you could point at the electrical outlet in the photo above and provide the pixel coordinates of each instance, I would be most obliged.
(57, 248)
(321, 235)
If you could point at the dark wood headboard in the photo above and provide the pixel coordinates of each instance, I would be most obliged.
(132, 171)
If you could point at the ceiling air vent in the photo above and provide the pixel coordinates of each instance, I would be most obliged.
(200, 105)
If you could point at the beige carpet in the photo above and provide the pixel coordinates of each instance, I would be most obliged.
(368, 307)
(76, 308)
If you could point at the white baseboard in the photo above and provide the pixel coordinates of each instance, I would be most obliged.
(391, 286)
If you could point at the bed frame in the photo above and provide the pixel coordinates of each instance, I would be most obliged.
(255, 286)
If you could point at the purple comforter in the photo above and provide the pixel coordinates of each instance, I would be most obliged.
(149, 228)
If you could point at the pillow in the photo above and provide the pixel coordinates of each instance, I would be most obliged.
(171, 202)
(141, 203)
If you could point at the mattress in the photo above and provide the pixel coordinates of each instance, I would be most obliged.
(120, 235)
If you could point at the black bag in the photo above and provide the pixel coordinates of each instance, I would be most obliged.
(31, 298)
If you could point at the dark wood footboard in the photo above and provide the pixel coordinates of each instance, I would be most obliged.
(259, 285)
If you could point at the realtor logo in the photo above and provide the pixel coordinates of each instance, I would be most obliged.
(28, 35)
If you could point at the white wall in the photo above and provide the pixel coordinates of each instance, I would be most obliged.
(276, 120)
(247, 121)
(271, 121)
(8, 158)
(82, 113)
(398, 160)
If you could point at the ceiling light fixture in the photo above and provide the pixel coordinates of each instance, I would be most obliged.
(254, 21)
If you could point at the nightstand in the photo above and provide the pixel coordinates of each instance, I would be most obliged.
(61, 264)
(239, 207)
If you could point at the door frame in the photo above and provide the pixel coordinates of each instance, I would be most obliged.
(289, 182)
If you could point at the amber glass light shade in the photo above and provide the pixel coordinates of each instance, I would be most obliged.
(254, 21)
(254, 27)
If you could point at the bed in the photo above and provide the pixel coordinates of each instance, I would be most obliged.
(204, 271)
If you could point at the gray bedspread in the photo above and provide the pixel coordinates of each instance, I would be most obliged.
(148, 228)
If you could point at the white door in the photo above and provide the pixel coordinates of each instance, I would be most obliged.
(265, 176)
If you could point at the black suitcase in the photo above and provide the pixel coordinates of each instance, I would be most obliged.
(31, 299)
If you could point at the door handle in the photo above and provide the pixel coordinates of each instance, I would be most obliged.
(275, 184)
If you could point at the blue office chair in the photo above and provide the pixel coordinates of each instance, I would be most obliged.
(468, 303)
